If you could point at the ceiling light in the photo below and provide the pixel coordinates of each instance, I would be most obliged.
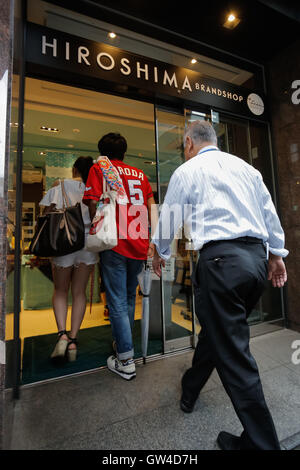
(76, 131)
(231, 21)
(42, 153)
(112, 35)
(193, 61)
(70, 146)
(49, 129)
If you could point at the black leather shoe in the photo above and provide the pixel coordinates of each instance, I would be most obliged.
(186, 405)
(228, 441)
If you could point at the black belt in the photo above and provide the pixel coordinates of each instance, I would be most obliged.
(234, 240)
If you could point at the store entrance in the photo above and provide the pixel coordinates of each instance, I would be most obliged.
(62, 123)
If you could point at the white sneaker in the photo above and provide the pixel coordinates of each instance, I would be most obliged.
(125, 370)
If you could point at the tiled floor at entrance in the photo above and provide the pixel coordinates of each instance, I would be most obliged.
(42, 322)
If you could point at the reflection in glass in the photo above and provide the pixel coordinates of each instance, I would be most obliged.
(249, 141)
(11, 223)
(271, 301)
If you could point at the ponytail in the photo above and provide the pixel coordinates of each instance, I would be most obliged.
(83, 166)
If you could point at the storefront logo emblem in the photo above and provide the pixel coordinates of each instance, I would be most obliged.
(255, 104)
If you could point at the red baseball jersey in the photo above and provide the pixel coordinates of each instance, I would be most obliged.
(132, 218)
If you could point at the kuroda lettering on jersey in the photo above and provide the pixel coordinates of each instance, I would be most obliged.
(131, 172)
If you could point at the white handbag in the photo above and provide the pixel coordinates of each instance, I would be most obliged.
(103, 234)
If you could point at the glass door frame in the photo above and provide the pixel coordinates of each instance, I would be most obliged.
(184, 342)
(19, 70)
(260, 326)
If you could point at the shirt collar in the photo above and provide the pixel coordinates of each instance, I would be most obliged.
(208, 147)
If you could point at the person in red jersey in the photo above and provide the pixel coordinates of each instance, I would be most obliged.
(121, 265)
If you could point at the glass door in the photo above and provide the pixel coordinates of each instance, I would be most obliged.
(250, 141)
(62, 123)
(179, 324)
(176, 283)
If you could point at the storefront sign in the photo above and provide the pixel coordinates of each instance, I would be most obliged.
(87, 58)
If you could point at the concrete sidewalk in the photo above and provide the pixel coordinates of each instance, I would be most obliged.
(100, 410)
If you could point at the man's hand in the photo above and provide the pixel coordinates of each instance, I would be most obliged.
(151, 250)
(277, 271)
(157, 263)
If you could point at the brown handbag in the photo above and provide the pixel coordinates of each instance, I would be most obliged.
(59, 232)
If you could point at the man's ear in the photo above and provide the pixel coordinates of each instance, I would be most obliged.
(189, 144)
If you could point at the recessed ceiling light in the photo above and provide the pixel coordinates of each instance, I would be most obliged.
(193, 61)
(42, 153)
(70, 146)
(76, 131)
(231, 21)
(112, 35)
(49, 129)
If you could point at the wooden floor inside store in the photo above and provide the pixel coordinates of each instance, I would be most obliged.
(42, 322)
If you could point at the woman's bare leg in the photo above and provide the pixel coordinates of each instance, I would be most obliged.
(80, 277)
(62, 280)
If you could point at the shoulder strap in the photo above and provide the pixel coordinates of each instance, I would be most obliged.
(64, 195)
(105, 185)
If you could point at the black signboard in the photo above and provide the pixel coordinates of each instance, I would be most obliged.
(85, 58)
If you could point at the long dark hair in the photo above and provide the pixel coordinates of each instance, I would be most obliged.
(83, 166)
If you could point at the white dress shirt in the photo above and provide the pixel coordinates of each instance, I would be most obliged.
(218, 196)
